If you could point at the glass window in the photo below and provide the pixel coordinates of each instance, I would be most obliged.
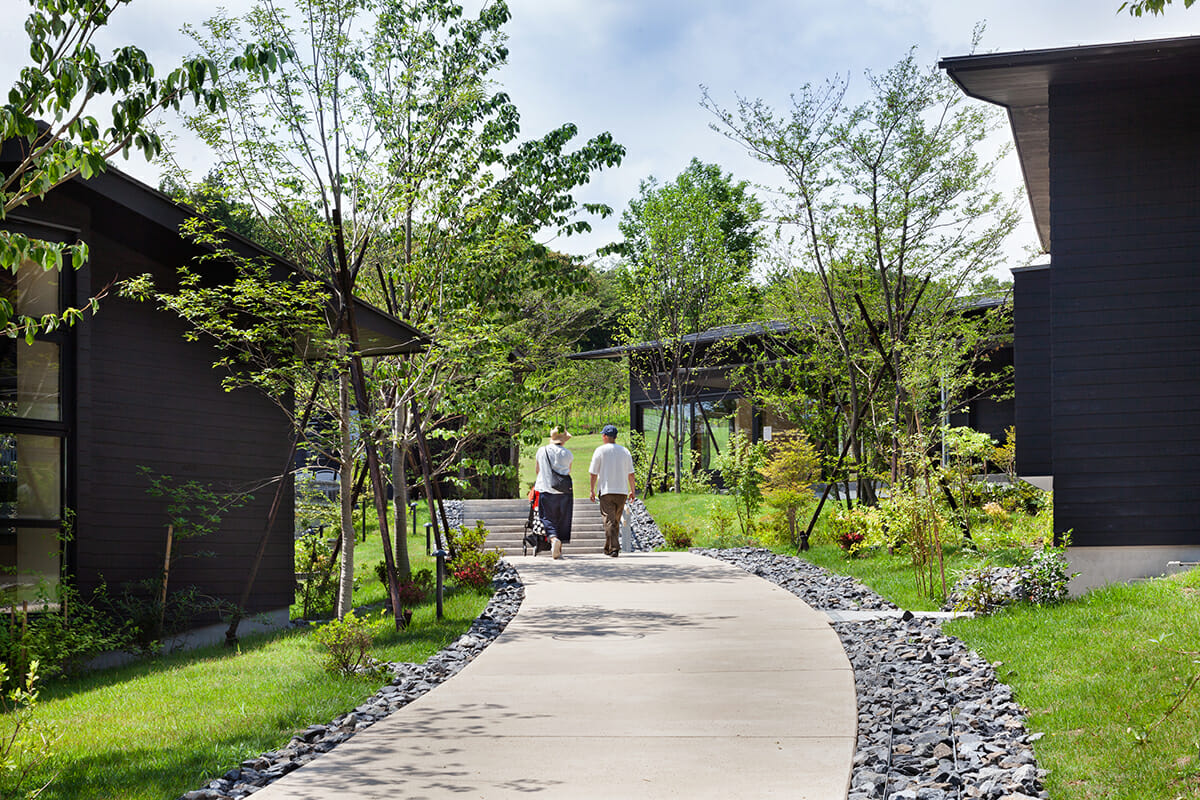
(30, 385)
(30, 476)
(29, 379)
(31, 457)
(33, 291)
(29, 561)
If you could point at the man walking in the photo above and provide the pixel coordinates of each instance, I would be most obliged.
(611, 471)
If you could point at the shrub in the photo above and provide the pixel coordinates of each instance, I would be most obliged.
(677, 536)
(27, 743)
(792, 467)
(695, 479)
(1044, 579)
(982, 590)
(740, 466)
(152, 625)
(473, 567)
(415, 590)
(316, 582)
(997, 514)
(722, 520)
(851, 542)
(472, 575)
(347, 642)
(61, 638)
(858, 529)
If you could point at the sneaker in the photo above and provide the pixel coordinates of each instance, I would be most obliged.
(556, 548)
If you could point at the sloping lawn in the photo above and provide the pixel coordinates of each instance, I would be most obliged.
(581, 446)
(157, 729)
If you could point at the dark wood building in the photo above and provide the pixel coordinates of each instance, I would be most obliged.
(1108, 335)
(83, 408)
(712, 403)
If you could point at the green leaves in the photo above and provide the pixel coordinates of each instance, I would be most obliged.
(1153, 7)
(47, 107)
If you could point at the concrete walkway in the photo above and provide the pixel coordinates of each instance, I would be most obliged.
(652, 675)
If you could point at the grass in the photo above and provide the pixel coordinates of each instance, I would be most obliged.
(1099, 675)
(162, 727)
(582, 446)
(890, 576)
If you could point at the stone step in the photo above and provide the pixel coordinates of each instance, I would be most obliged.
(505, 521)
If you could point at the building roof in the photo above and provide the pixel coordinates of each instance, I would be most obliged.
(379, 332)
(750, 330)
(713, 335)
(1021, 83)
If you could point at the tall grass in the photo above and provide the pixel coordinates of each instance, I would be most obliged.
(586, 418)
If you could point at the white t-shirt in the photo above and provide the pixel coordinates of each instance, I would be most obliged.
(612, 465)
(554, 456)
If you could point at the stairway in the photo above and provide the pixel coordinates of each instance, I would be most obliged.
(505, 521)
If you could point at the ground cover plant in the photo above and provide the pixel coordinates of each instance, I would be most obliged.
(163, 726)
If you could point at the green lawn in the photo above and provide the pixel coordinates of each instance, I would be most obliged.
(581, 447)
(159, 728)
(1099, 675)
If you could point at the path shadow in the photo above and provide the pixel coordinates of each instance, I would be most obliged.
(633, 568)
(417, 755)
(579, 623)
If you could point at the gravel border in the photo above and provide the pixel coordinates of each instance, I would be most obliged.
(933, 721)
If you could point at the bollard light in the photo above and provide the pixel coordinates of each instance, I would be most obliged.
(441, 579)
(428, 541)
(412, 512)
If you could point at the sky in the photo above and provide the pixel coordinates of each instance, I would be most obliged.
(635, 68)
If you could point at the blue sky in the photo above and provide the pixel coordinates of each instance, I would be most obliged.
(635, 67)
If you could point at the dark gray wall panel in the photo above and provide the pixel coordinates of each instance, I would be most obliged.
(1125, 322)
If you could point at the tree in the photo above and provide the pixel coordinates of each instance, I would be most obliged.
(896, 217)
(380, 162)
(689, 248)
(54, 139)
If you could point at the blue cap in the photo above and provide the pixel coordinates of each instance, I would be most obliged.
(609, 430)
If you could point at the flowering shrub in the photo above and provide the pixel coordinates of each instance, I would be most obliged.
(997, 513)
(858, 529)
(472, 567)
(415, 590)
(851, 541)
(473, 575)
(677, 536)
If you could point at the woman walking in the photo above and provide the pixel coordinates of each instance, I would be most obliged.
(552, 468)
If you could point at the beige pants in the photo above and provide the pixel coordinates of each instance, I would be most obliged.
(612, 506)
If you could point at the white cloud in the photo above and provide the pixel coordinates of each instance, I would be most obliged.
(634, 67)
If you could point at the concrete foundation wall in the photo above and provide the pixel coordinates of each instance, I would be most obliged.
(1100, 566)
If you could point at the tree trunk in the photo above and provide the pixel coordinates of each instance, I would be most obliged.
(349, 327)
(400, 492)
(345, 599)
(240, 610)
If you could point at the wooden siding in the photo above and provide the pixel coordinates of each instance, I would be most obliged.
(1125, 321)
(145, 397)
(1031, 370)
